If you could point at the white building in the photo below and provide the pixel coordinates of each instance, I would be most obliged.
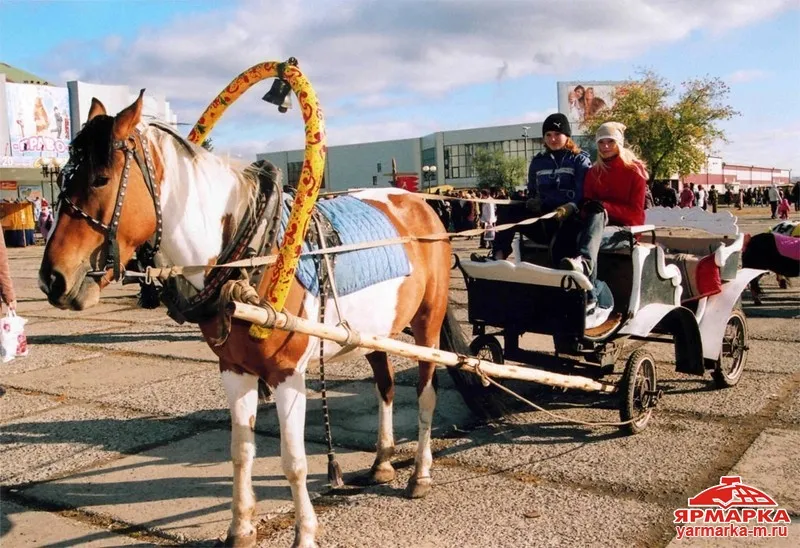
(38, 120)
(367, 165)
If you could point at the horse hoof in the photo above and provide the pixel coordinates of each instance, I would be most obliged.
(418, 487)
(241, 541)
(304, 543)
(382, 473)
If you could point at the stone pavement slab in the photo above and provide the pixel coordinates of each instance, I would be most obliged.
(71, 437)
(469, 509)
(21, 526)
(693, 394)
(41, 356)
(772, 464)
(184, 488)
(354, 415)
(19, 403)
(790, 412)
(199, 396)
(649, 462)
(183, 344)
(90, 378)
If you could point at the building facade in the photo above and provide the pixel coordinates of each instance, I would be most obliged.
(724, 175)
(38, 120)
(367, 165)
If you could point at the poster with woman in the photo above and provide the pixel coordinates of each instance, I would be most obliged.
(580, 100)
(38, 120)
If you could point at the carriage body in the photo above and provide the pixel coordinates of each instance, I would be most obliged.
(669, 285)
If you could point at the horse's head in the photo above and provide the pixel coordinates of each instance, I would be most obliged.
(108, 206)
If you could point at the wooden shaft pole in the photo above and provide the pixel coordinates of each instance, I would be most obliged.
(269, 318)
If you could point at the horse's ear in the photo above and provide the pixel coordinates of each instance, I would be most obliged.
(127, 119)
(97, 109)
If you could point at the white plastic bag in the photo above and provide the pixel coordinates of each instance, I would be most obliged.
(13, 342)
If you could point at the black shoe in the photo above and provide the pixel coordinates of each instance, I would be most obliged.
(480, 258)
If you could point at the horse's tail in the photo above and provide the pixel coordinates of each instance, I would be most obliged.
(452, 336)
(484, 402)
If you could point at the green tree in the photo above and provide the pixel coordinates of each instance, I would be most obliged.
(671, 134)
(494, 169)
(208, 144)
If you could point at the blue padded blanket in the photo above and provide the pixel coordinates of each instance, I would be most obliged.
(355, 222)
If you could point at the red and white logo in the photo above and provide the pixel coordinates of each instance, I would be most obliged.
(732, 509)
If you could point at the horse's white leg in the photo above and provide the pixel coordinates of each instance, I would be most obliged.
(243, 401)
(382, 470)
(290, 400)
(421, 482)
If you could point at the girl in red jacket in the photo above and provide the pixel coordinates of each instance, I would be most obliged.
(613, 194)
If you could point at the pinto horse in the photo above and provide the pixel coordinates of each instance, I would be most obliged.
(125, 178)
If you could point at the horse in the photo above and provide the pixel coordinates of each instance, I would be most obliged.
(777, 251)
(128, 184)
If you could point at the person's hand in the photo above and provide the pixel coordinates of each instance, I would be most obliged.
(565, 211)
(534, 205)
(591, 207)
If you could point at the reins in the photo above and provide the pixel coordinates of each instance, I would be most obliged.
(163, 273)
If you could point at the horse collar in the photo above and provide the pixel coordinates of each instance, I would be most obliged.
(147, 168)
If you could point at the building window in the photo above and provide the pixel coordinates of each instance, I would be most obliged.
(458, 158)
(293, 170)
(379, 167)
(375, 179)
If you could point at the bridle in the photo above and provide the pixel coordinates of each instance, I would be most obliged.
(146, 166)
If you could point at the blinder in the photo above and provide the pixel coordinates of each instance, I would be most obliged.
(147, 168)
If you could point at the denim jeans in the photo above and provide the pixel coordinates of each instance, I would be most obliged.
(581, 237)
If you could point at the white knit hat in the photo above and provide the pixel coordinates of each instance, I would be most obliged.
(611, 130)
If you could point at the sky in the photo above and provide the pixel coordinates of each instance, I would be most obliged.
(391, 69)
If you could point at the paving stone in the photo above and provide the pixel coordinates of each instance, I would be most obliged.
(24, 527)
(354, 415)
(19, 403)
(70, 437)
(41, 356)
(475, 510)
(184, 488)
(199, 396)
(772, 465)
(90, 378)
(649, 462)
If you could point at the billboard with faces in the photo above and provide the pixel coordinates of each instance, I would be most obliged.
(581, 99)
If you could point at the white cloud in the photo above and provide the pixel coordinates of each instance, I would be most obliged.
(765, 147)
(745, 75)
(373, 56)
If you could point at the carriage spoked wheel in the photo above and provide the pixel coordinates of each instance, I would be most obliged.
(638, 391)
(729, 367)
(485, 402)
(487, 347)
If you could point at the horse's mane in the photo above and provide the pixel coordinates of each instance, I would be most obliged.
(93, 143)
(173, 150)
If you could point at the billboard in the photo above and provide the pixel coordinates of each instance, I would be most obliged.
(38, 120)
(581, 99)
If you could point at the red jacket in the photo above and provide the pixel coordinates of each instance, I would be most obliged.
(621, 190)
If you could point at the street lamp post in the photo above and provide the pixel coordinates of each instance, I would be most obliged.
(525, 135)
(52, 170)
(428, 175)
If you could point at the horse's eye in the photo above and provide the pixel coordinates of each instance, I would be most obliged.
(100, 181)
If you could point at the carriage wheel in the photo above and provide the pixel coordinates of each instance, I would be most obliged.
(484, 402)
(729, 367)
(487, 347)
(638, 392)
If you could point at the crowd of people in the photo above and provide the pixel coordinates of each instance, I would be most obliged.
(780, 201)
